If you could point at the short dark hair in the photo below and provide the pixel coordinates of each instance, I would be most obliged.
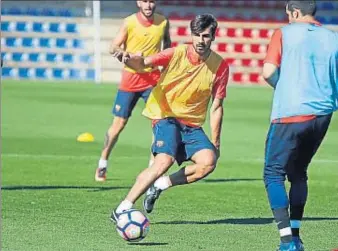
(307, 7)
(202, 22)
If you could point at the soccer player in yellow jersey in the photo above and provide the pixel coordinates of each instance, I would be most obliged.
(192, 75)
(143, 32)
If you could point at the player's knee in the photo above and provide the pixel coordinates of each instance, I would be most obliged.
(208, 158)
(206, 165)
(209, 161)
(118, 124)
(160, 166)
(270, 171)
(209, 169)
(205, 169)
(265, 175)
(162, 162)
(273, 174)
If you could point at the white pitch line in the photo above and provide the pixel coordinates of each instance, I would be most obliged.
(52, 156)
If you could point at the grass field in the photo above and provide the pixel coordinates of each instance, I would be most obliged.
(51, 202)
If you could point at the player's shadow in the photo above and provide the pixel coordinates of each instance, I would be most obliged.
(148, 244)
(229, 180)
(240, 221)
(89, 188)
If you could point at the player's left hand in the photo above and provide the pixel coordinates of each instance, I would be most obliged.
(121, 56)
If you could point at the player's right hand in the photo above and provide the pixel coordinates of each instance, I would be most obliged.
(125, 57)
(121, 56)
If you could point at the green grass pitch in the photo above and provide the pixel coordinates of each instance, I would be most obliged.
(50, 200)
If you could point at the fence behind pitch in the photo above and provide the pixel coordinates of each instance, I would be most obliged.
(41, 41)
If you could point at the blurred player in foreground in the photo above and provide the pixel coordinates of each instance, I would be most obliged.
(143, 32)
(178, 106)
(302, 66)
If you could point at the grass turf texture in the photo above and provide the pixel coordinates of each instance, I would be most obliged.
(51, 202)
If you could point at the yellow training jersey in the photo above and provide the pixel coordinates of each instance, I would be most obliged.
(184, 89)
(144, 36)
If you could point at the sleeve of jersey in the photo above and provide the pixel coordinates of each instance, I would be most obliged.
(162, 58)
(274, 53)
(221, 81)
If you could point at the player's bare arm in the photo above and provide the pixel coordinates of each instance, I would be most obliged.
(271, 73)
(115, 48)
(216, 119)
(166, 37)
(138, 63)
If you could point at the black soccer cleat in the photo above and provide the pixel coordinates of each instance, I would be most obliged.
(151, 196)
(114, 216)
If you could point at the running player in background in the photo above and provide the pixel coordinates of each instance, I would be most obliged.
(178, 106)
(143, 32)
(302, 67)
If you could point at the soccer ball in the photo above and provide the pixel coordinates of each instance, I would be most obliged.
(132, 225)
